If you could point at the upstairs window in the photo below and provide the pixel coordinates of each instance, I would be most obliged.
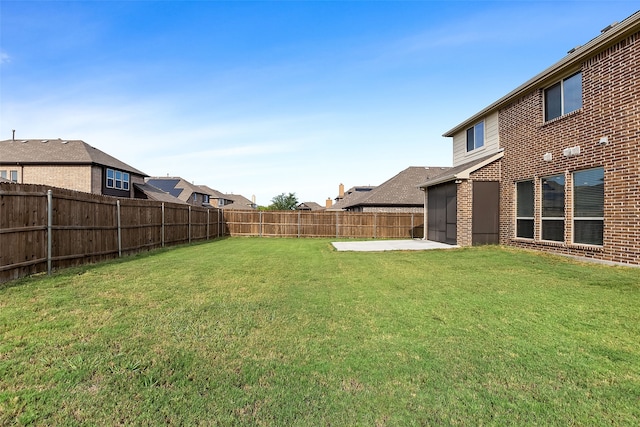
(117, 179)
(475, 137)
(563, 97)
(588, 206)
(553, 208)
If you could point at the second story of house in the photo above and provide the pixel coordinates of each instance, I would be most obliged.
(71, 164)
(588, 96)
(475, 138)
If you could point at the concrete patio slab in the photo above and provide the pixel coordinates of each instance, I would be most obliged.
(390, 245)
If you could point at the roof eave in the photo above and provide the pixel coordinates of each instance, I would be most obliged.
(464, 174)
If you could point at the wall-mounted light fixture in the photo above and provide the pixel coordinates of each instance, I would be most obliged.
(604, 140)
(547, 157)
(458, 181)
(571, 152)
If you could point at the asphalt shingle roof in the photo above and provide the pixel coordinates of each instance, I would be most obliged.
(461, 171)
(155, 193)
(58, 151)
(400, 190)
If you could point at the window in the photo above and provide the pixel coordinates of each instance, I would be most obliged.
(553, 208)
(588, 206)
(563, 97)
(13, 175)
(475, 137)
(117, 179)
(206, 198)
(524, 209)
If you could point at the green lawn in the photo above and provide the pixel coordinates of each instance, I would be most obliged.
(279, 332)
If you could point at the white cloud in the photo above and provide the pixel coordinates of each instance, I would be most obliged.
(4, 58)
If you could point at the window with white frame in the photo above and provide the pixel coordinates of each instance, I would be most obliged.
(524, 209)
(12, 176)
(553, 208)
(563, 97)
(475, 136)
(117, 179)
(588, 206)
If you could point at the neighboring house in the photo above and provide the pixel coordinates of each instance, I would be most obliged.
(239, 202)
(309, 206)
(555, 164)
(148, 191)
(346, 198)
(216, 198)
(400, 193)
(188, 193)
(71, 164)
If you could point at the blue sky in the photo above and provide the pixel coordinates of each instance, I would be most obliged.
(268, 97)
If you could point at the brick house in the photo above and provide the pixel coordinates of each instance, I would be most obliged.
(71, 164)
(555, 164)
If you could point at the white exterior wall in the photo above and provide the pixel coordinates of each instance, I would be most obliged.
(491, 142)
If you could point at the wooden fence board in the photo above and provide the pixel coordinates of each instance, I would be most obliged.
(84, 226)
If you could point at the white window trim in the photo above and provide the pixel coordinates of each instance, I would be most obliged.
(484, 135)
(124, 183)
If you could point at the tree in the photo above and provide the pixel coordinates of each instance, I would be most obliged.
(284, 202)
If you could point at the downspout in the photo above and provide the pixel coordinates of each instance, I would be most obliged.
(424, 221)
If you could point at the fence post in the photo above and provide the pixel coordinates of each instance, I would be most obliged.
(375, 225)
(189, 227)
(208, 223)
(299, 224)
(337, 224)
(119, 228)
(218, 221)
(412, 225)
(49, 229)
(162, 227)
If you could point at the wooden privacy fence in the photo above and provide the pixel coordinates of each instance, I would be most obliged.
(43, 229)
(381, 225)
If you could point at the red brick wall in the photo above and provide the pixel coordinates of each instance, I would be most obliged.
(464, 199)
(611, 108)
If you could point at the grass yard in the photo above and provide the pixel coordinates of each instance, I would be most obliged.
(289, 332)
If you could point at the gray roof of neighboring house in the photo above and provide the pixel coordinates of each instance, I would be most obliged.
(310, 206)
(213, 193)
(58, 152)
(352, 196)
(154, 193)
(239, 202)
(461, 171)
(176, 186)
(611, 34)
(400, 190)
